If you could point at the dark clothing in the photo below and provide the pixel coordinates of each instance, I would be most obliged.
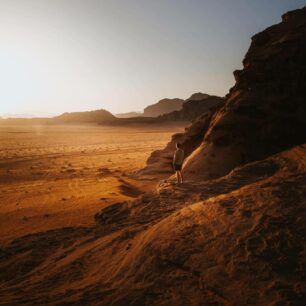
(177, 167)
(178, 157)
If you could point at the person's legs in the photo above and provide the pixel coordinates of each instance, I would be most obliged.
(181, 176)
(177, 176)
(178, 173)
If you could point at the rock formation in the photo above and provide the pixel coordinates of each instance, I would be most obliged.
(176, 109)
(197, 96)
(265, 112)
(194, 107)
(129, 115)
(199, 109)
(97, 116)
(159, 164)
(163, 106)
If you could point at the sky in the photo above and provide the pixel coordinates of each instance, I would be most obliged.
(122, 55)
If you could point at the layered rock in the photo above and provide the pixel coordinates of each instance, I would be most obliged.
(265, 112)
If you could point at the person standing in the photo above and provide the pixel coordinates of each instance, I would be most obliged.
(178, 162)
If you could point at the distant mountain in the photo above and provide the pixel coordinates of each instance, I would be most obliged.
(166, 106)
(129, 115)
(96, 116)
(199, 109)
(193, 107)
(163, 106)
(197, 96)
(164, 110)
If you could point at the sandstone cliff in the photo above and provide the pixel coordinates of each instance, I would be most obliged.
(159, 164)
(265, 112)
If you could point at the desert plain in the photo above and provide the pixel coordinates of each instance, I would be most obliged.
(60, 176)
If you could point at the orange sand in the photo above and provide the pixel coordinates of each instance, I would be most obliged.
(55, 176)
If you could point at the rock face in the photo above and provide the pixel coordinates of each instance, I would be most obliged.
(199, 109)
(163, 106)
(265, 112)
(159, 164)
(97, 116)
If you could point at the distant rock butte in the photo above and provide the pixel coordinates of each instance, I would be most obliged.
(129, 115)
(199, 109)
(174, 109)
(197, 96)
(164, 110)
(100, 116)
(163, 106)
(97, 116)
(193, 108)
(170, 106)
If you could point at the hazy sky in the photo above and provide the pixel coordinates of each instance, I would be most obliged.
(73, 55)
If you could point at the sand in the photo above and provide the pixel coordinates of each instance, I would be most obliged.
(55, 176)
(237, 240)
(109, 237)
